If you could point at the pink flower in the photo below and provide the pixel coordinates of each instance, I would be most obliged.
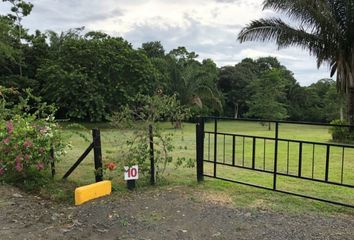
(27, 157)
(19, 158)
(19, 167)
(6, 141)
(10, 127)
(40, 166)
(2, 171)
(27, 144)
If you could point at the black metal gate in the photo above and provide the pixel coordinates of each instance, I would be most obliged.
(333, 162)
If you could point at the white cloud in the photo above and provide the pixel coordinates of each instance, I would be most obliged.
(208, 27)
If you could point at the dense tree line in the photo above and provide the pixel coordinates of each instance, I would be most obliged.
(263, 88)
(90, 75)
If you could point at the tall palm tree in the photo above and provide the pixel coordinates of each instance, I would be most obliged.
(324, 27)
(195, 83)
(197, 87)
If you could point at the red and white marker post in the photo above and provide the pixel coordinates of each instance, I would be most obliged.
(130, 175)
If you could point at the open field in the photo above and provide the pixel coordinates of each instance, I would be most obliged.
(243, 196)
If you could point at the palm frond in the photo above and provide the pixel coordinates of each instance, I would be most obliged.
(324, 27)
(312, 13)
(274, 29)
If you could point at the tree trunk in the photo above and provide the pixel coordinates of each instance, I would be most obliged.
(341, 113)
(178, 124)
(236, 111)
(269, 126)
(19, 40)
(351, 106)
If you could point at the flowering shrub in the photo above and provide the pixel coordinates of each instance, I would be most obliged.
(27, 135)
(25, 145)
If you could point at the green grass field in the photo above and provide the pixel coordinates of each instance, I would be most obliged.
(243, 196)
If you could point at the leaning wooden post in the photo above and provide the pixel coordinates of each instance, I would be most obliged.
(97, 153)
(152, 159)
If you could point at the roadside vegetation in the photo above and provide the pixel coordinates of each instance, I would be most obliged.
(51, 81)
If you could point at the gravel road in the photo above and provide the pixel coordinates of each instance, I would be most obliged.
(171, 213)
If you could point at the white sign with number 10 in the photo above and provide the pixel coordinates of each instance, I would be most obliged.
(131, 173)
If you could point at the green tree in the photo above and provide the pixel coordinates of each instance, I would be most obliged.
(233, 83)
(195, 84)
(324, 103)
(183, 56)
(298, 101)
(181, 74)
(90, 76)
(19, 9)
(7, 51)
(35, 53)
(268, 91)
(15, 44)
(153, 49)
(156, 54)
(324, 27)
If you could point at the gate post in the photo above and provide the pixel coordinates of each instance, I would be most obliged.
(275, 169)
(200, 148)
(97, 154)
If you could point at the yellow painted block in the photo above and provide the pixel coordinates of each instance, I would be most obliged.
(92, 191)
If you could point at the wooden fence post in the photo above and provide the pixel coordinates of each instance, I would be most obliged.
(97, 152)
(52, 161)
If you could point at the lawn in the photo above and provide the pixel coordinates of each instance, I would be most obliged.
(243, 196)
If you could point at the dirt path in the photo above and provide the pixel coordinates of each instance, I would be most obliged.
(170, 214)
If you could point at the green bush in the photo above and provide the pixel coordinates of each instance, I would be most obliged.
(341, 134)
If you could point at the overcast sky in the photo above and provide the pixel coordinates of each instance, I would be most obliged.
(208, 27)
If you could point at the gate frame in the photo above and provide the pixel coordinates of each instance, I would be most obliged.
(200, 136)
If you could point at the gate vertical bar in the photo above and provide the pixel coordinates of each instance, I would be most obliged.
(327, 163)
(152, 159)
(275, 156)
(97, 153)
(215, 144)
(300, 160)
(200, 148)
(254, 153)
(342, 170)
(233, 150)
(313, 160)
(264, 154)
(243, 151)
